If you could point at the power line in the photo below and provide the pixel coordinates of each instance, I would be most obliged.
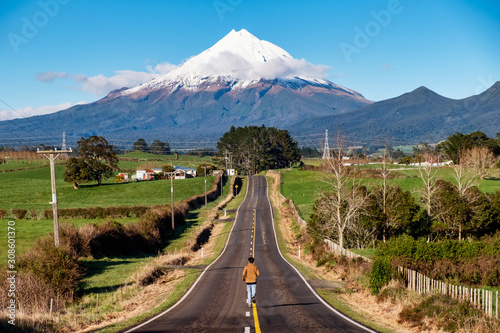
(23, 118)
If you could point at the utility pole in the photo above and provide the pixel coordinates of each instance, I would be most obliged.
(52, 155)
(221, 185)
(205, 167)
(172, 175)
(226, 160)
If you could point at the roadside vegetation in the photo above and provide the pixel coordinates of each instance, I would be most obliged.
(442, 221)
(112, 279)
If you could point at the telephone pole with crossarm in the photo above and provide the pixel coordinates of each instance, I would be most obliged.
(52, 155)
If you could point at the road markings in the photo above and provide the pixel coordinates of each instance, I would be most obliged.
(254, 229)
(254, 306)
(331, 308)
(256, 318)
(247, 313)
(247, 329)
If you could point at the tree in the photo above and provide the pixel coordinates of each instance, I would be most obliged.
(77, 171)
(338, 209)
(428, 177)
(159, 148)
(401, 213)
(141, 145)
(253, 149)
(366, 226)
(479, 159)
(464, 210)
(455, 145)
(200, 170)
(167, 168)
(98, 154)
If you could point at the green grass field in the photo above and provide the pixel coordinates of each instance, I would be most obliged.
(31, 190)
(22, 164)
(150, 160)
(303, 187)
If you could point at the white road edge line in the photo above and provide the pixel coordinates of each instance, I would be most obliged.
(247, 329)
(199, 277)
(340, 314)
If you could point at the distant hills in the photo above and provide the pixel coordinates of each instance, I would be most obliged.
(417, 116)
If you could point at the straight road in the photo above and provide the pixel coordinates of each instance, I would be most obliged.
(217, 302)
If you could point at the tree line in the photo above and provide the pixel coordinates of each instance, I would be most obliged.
(357, 216)
(252, 149)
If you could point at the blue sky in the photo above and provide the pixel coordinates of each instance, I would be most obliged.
(56, 53)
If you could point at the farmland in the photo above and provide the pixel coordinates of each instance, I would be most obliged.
(303, 186)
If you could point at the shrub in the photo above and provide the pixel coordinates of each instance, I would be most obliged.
(19, 213)
(448, 313)
(203, 237)
(380, 274)
(57, 267)
(47, 214)
(33, 214)
(3, 213)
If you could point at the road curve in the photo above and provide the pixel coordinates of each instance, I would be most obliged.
(217, 302)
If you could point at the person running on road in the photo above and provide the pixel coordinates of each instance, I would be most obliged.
(250, 274)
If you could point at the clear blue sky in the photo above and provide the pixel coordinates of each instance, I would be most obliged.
(382, 49)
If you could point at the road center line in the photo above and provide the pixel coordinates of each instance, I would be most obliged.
(256, 318)
(254, 306)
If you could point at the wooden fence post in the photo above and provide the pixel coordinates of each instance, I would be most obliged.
(497, 306)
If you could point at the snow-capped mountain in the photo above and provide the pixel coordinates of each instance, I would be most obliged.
(241, 80)
(240, 59)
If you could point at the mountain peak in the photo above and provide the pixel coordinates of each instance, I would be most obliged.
(240, 59)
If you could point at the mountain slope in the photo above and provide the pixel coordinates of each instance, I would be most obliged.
(239, 81)
(421, 115)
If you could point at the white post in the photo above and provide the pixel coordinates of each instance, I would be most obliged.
(202, 252)
(497, 306)
(299, 251)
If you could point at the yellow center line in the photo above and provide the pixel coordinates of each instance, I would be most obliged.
(254, 306)
(256, 318)
(254, 229)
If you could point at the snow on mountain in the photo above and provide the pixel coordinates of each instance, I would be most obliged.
(240, 59)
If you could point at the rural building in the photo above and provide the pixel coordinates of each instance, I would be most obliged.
(124, 176)
(144, 175)
(186, 172)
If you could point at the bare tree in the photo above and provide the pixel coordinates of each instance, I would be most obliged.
(478, 159)
(465, 181)
(428, 176)
(342, 205)
(385, 193)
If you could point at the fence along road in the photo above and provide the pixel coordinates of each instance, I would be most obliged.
(217, 301)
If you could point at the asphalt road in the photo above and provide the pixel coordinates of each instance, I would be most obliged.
(217, 303)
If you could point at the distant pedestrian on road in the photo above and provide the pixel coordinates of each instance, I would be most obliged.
(250, 274)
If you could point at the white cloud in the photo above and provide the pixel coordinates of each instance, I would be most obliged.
(229, 63)
(100, 85)
(30, 111)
